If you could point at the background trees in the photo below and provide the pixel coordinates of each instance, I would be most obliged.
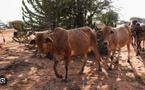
(141, 20)
(109, 18)
(17, 23)
(64, 13)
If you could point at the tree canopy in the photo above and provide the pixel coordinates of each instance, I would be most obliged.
(64, 13)
(109, 17)
(138, 19)
(17, 23)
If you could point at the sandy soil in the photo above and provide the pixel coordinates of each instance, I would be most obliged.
(25, 72)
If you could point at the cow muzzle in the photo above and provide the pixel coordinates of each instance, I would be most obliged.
(39, 56)
(105, 43)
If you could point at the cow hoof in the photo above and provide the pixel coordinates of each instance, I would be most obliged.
(100, 69)
(59, 76)
(64, 80)
(80, 73)
(137, 54)
(128, 61)
(116, 62)
(109, 68)
(143, 50)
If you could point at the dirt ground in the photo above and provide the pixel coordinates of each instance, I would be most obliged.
(25, 72)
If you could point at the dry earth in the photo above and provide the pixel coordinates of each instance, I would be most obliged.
(25, 72)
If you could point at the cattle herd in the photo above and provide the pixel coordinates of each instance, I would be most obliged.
(138, 35)
(63, 44)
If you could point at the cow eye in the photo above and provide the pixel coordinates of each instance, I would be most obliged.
(45, 41)
(111, 32)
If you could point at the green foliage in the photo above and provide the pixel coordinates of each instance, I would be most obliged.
(109, 18)
(136, 18)
(143, 20)
(64, 13)
(23, 37)
(17, 24)
(101, 48)
(2, 25)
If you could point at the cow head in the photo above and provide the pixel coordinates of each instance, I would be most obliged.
(106, 33)
(43, 41)
(138, 32)
(134, 22)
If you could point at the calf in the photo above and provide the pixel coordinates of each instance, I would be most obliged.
(115, 38)
(66, 43)
(140, 36)
(132, 26)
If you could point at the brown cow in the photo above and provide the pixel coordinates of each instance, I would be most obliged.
(132, 26)
(66, 43)
(115, 38)
(140, 36)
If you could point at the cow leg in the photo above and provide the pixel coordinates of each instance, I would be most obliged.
(109, 55)
(128, 48)
(112, 59)
(143, 47)
(66, 69)
(138, 48)
(135, 41)
(95, 50)
(54, 67)
(117, 60)
(132, 40)
(85, 60)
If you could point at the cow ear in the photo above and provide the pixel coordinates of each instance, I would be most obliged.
(48, 40)
(32, 42)
(111, 32)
